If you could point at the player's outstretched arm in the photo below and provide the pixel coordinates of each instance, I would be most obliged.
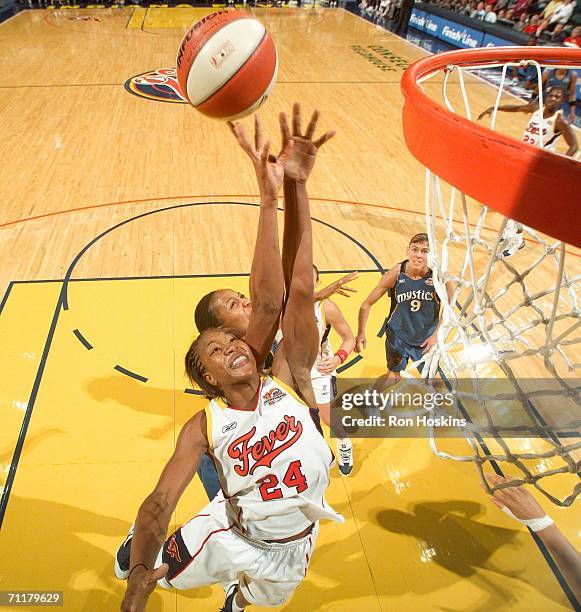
(531, 107)
(155, 513)
(339, 287)
(525, 508)
(297, 169)
(300, 342)
(387, 282)
(266, 278)
(565, 128)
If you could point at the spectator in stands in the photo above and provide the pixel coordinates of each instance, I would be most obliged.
(521, 7)
(533, 25)
(510, 16)
(521, 24)
(575, 39)
(489, 14)
(550, 8)
(562, 13)
(501, 17)
(479, 12)
(470, 8)
(557, 36)
(567, 81)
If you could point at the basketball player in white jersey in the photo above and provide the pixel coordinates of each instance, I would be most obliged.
(257, 539)
(329, 316)
(229, 308)
(546, 132)
(543, 132)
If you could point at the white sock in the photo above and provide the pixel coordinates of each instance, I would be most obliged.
(344, 442)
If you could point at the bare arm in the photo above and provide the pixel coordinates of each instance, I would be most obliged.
(155, 512)
(387, 282)
(525, 507)
(531, 107)
(300, 334)
(338, 287)
(568, 134)
(337, 321)
(297, 169)
(266, 277)
(572, 93)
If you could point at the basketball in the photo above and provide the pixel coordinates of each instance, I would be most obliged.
(227, 65)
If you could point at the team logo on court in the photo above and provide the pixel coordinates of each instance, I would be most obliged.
(273, 396)
(161, 85)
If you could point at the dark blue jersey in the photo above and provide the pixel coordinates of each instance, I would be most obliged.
(415, 307)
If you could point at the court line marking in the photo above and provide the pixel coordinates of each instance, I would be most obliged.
(6, 294)
(62, 300)
(130, 373)
(83, 340)
(13, 16)
(311, 198)
(60, 306)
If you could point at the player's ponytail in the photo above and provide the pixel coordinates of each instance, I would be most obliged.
(204, 316)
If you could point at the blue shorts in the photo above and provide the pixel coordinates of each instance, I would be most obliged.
(398, 352)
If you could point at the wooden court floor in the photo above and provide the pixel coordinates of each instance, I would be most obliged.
(116, 214)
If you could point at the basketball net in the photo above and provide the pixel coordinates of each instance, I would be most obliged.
(514, 314)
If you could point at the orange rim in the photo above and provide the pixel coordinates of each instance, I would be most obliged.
(535, 187)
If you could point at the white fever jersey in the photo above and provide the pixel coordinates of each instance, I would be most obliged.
(272, 463)
(324, 346)
(547, 140)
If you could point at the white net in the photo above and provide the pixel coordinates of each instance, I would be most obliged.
(509, 343)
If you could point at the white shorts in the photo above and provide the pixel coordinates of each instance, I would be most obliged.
(207, 550)
(325, 388)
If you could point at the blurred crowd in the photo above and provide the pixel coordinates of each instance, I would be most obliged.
(555, 22)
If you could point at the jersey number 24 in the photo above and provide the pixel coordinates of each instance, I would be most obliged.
(269, 488)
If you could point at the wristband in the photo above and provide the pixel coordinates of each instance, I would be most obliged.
(137, 565)
(342, 355)
(536, 524)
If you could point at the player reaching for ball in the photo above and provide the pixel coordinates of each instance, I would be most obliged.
(257, 539)
(229, 308)
(414, 316)
(543, 131)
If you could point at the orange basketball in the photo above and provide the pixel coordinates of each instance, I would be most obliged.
(227, 65)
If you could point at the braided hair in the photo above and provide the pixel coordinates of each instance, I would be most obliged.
(195, 369)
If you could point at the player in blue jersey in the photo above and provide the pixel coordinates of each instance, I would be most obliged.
(414, 316)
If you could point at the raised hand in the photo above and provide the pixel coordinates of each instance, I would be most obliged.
(485, 113)
(337, 288)
(301, 158)
(517, 499)
(140, 585)
(269, 170)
